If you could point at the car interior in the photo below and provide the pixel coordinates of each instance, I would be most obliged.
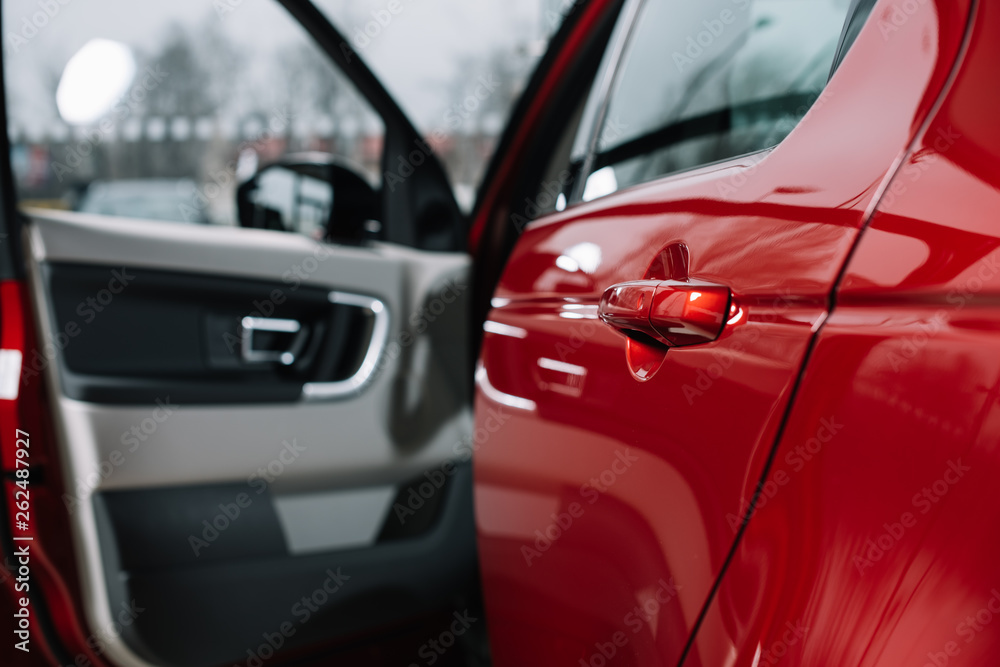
(273, 407)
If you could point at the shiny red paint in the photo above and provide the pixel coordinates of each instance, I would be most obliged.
(602, 494)
(885, 544)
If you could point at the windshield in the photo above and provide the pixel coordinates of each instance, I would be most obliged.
(455, 67)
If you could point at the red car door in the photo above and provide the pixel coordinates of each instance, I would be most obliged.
(621, 445)
(884, 547)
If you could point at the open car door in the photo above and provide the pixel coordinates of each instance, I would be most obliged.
(227, 445)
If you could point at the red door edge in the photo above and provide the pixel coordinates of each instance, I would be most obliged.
(523, 120)
(38, 569)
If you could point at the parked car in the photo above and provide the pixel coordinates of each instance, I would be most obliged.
(708, 377)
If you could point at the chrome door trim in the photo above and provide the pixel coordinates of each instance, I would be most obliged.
(326, 391)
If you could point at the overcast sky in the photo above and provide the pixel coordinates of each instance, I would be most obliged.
(416, 54)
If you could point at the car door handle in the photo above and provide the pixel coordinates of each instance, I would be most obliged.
(667, 312)
(253, 355)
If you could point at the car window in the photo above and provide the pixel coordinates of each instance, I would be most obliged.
(456, 67)
(174, 104)
(706, 81)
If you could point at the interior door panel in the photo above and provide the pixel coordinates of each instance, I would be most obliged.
(181, 334)
(215, 491)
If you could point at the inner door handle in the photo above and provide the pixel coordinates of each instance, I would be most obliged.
(667, 312)
(270, 325)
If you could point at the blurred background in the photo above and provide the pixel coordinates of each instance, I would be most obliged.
(222, 86)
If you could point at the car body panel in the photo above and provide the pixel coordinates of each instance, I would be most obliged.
(776, 228)
(883, 548)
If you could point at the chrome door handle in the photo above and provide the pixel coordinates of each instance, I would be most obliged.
(325, 391)
(271, 325)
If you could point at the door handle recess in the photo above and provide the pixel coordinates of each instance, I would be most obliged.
(667, 312)
(251, 355)
(324, 391)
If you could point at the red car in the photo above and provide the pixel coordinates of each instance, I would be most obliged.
(729, 296)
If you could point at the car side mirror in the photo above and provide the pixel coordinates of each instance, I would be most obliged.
(318, 195)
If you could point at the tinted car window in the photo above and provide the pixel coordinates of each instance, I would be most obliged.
(702, 82)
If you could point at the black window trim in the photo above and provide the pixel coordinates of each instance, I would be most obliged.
(697, 127)
(610, 77)
(857, 15)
